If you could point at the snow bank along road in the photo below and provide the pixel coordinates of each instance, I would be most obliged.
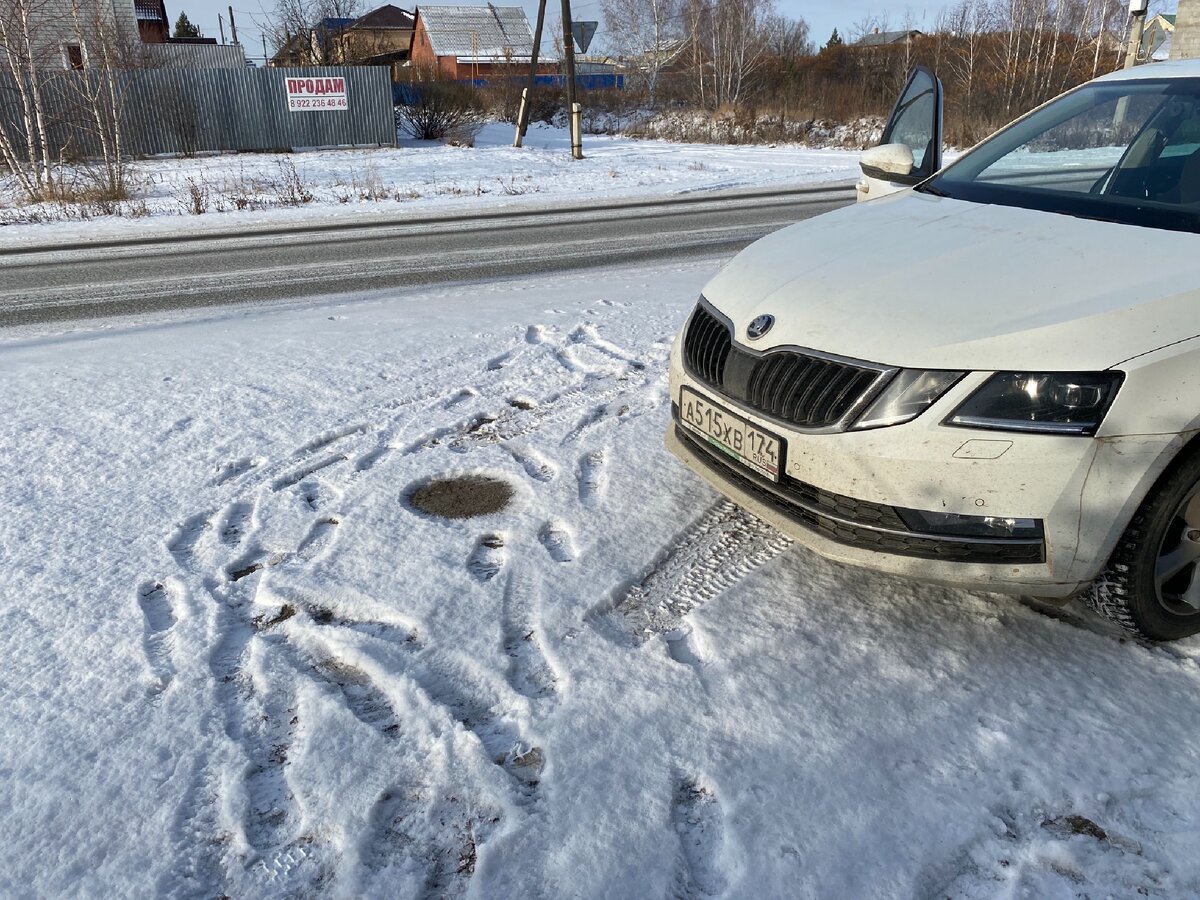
(237, 662)
(47, 283)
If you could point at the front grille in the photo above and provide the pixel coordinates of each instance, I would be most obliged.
(858, 523)
(706, 347)
(803, 389)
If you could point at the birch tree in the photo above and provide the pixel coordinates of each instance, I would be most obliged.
(98, 94)
(730, 40)
(25, 56)
(646, 32)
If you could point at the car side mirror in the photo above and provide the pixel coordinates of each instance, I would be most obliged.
(887, 161)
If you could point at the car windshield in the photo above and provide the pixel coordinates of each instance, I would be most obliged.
(1124, 152)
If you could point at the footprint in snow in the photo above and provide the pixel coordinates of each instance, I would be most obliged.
(556, 537)
(488, 557)
(158, 619)
(593, 477)
(536, 466)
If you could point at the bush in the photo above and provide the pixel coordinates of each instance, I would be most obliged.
(442, 111)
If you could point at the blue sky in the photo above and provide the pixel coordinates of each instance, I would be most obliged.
(822, 17)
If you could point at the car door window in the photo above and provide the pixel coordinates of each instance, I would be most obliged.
(916, 122)
(1125, 150)
(1075, 154)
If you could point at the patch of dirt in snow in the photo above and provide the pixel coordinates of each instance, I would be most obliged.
(461, 497)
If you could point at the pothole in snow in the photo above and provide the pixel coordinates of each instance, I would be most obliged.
(461, 496)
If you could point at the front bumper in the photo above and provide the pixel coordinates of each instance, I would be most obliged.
(845, 520)
(839, 494)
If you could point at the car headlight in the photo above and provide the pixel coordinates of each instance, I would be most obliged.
(1051, 403)
(907, 395)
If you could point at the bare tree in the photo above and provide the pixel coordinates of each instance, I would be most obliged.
(25, 55)
(115, 60)
(647, 32)
(967, 23)
(297, 27)
(789, 46)
(730, 40)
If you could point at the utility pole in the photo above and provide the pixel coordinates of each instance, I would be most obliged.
(527, 94)
(1137, 30)
(574, 110)
(265, 57)
(221, 25)
(1137, 9)
(232, 26)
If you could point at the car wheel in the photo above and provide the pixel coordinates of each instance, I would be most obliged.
(1152, 584)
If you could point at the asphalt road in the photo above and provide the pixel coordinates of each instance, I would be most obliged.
(40, 284)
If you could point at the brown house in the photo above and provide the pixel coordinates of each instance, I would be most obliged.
(468, 42)
(382, 36)
(151, 15)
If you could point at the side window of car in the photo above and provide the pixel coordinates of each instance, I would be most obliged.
(915, 122)
(1076, 154)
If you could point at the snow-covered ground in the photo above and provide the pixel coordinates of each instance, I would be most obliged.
(237, 662)
(252, 189)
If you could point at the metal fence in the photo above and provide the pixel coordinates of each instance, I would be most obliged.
(409, 93)
(186, 111)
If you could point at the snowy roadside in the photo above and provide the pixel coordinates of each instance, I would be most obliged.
(619, 686)
(418, 178)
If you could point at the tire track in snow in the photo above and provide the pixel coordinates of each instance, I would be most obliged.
(712, 555)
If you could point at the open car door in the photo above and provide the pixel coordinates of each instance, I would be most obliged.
(911, 148)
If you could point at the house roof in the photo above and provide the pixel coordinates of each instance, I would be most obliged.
(477, 31)
(386, 16)
(150, 11)
(883, 38)
(332, 24)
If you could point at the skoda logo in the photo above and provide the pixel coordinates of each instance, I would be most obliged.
(759, 327)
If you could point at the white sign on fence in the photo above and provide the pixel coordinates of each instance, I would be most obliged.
(312, 94)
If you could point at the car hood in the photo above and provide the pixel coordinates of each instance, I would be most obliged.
(930, 282)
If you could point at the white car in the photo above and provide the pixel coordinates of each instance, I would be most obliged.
(991, 379)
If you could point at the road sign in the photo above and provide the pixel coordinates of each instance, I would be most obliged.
(583, 32)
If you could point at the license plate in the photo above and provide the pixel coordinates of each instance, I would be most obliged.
(731, 434)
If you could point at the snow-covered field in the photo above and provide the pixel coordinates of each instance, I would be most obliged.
(252, 189)
(237, 662)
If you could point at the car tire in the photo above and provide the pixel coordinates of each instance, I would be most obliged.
(1163, 535)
